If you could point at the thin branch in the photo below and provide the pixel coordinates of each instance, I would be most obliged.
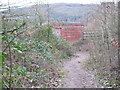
(11, 41)
(11, 31)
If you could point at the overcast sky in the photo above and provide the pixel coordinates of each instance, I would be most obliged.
(57, 1)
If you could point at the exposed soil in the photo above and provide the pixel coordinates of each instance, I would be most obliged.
(77, 77)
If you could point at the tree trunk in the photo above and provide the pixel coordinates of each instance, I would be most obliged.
(119, 41)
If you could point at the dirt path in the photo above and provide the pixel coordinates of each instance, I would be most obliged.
(77, 77)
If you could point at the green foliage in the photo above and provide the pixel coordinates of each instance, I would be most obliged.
(56, 42)
(29, 61)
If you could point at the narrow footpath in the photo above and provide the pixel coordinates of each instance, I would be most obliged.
(77, 77)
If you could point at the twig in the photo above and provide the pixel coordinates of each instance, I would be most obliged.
(11, 31)
(10, 82)
(11, 42)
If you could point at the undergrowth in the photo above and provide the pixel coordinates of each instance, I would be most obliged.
(31, 59)
(102, 73)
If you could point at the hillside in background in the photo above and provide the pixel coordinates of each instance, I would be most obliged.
(65, 12)
(78, 13)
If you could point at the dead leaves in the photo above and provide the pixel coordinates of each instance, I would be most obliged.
(15, 32)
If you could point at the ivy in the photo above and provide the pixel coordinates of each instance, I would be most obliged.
(27, 60)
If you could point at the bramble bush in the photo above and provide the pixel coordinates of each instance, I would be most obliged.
(30, 60)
